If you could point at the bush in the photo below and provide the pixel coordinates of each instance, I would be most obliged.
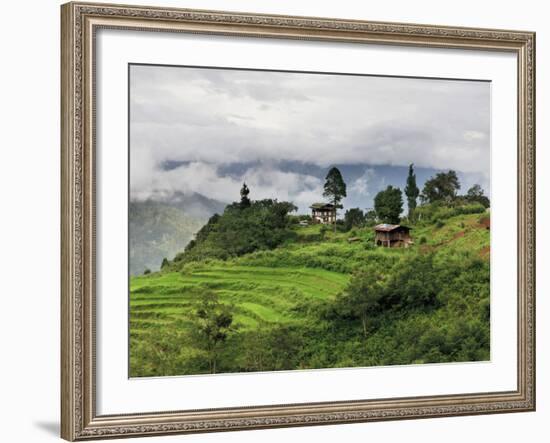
(147, 271)
(438, 211)
(368, 245)
(439, 224)
(414, 283)
(423, 240)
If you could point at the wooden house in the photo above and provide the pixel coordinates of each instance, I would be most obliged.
(322, 213)
(392, 236)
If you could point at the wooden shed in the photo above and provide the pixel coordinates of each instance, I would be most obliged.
(392, 236)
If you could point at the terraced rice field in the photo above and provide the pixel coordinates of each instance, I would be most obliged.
(161, 303)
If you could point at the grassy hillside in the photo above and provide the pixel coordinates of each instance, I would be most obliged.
(289, 306)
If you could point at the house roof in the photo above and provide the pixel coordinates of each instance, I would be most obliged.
(322, 206)
(386, 227)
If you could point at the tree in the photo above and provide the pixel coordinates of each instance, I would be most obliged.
(353, 218)
(165, 263)
(245, 201)
(335, 190)
(476, 195)
(388, 205)
(362, 298)
(415, 283)
(370, 217)
(442, 187)
(411, 190)
(213, 322)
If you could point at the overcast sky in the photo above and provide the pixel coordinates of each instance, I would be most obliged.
(227, 126)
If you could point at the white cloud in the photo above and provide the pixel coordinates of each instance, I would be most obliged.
(474, 135)
(205, 179)
(361, 186)
(211, 117)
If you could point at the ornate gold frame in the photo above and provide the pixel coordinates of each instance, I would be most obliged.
(79, 22)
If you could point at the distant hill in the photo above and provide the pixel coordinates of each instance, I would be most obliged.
(194, 205)
(161, 228)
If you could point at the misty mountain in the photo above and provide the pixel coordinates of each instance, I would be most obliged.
(161, 228)
(193, 204)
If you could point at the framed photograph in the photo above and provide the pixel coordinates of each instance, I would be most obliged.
(277, 221)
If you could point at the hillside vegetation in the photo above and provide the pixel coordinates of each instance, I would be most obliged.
(248, 295)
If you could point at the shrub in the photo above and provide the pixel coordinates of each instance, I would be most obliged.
(423, 240)
(147, 271)
(431, 213)
(368, 245)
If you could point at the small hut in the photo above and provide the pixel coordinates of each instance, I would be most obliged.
(392, 236)
(322, 213)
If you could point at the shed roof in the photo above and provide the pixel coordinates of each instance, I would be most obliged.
(386, 227)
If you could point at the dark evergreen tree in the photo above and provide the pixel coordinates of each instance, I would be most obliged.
(388, 205)
(411, 191)
(245, 201)
(334, 190)
(354, 218)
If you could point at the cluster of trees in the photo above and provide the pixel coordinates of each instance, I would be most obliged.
(414, 284)
(450, 294)
(245, 226)
(440, 190)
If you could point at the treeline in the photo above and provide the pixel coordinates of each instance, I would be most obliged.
(248, 226)
(244, 227)
(439, 199)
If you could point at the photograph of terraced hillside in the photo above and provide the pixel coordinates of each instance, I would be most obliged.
(297, 221)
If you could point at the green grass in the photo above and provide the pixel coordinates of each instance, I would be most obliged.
(272, 287)
(260, 294)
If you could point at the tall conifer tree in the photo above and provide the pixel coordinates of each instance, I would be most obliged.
(411, 190)
(335, 190)
(245, 201)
